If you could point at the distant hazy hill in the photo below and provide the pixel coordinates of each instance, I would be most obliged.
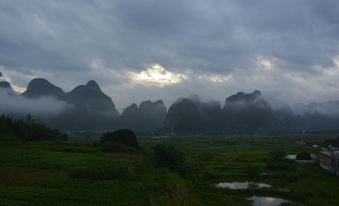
(191, 115)
(319, 116)
(242, 113)
(146, 118)
(41, 87)
(90, 99)
(88, 108)
(248, 113)
(6, 87)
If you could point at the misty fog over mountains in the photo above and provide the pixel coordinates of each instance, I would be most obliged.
(86, 107)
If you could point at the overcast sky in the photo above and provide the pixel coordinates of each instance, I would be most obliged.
(157, 49)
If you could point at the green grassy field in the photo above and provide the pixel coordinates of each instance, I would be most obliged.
(77, 173)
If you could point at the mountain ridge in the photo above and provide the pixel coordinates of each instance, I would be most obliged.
(92, 109)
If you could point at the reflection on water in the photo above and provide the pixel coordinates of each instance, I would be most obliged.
(266, 201)
(241, 185)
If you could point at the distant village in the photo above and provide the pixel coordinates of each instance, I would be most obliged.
(328, 157)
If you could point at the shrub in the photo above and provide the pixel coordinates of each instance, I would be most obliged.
(278, 155)
(178, 196)
(114, 147)
(303, 156)
(168, 157)
(282, 165)
(28, 130)
(276, 161)
(251, 173)
(98, 173)
(123, 136)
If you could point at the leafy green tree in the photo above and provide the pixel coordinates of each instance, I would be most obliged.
(123, 136)
(276, 161)
(251, 173)
(167, 156)
(277, 155)
(303, 156)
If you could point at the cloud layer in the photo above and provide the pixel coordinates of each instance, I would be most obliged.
(288, 49)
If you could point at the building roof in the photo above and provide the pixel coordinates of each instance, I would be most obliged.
(331, 153)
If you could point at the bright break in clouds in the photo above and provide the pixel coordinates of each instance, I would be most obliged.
(156, 49)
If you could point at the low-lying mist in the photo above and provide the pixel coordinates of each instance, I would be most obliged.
(12, 103)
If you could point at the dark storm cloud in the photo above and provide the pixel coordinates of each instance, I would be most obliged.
(60, 40)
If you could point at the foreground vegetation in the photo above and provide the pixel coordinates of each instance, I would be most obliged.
(164, 171)
(27, 130)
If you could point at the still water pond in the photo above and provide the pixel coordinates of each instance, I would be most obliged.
(241, 185)
(266, 201)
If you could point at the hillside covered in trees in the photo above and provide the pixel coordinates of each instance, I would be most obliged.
(27, 130)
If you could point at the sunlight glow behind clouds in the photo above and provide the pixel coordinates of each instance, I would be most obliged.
(7, 78)
(265, 63)
(224, 51)
(157, 75)
(18, 89)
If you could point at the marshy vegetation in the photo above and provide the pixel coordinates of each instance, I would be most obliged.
(178, 171)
